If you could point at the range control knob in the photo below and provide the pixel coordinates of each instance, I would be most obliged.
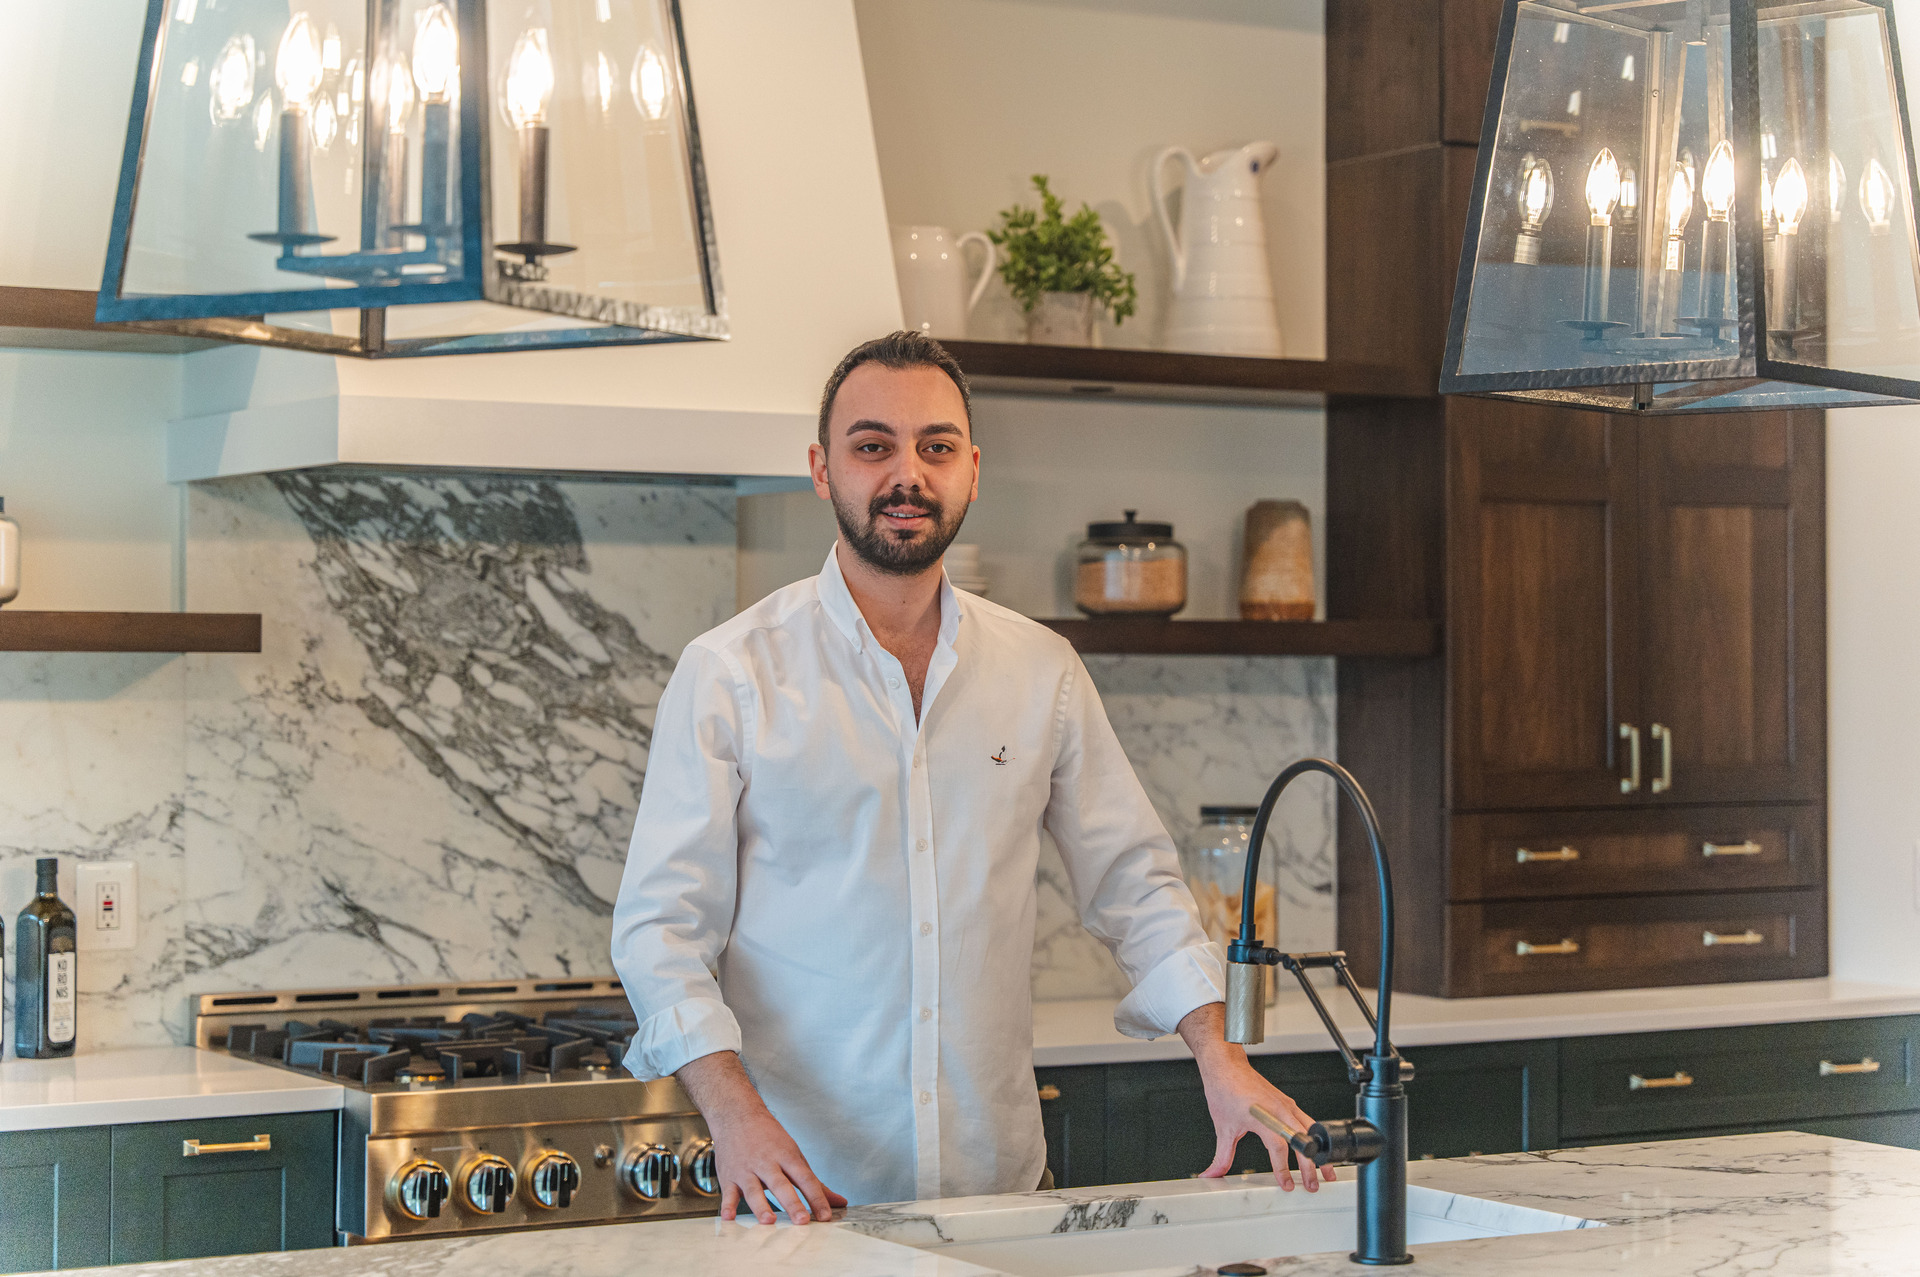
(419, 1189)
(486, 1184)
(553, 1179)
(650, 1172)
(702, 1174)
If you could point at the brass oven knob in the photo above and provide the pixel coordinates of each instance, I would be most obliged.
(552, 1180)
(701, 1175)
(486, 1184)
(650, 1171)
(418, 1189)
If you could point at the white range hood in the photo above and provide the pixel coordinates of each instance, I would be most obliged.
(807, 270)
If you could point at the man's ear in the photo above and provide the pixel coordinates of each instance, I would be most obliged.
(817, 466)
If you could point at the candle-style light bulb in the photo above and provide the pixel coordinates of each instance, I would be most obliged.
(529, 79)
(297, 68)
(1836, 187)
(230, 82)
(1629, 196)
(651, 88)
(1603, 187)
(1766, 203)
(1716, 183)
(400, 101)
(1790, 197)
(1536, 201)
(1679, 209)
(436, 54)
(1876, 198)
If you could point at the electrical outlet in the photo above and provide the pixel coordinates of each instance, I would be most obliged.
(106, 905)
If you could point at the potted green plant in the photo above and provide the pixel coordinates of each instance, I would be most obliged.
(1060, 269)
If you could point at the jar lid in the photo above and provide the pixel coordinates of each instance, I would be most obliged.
(1131, 530)
(1229, 813)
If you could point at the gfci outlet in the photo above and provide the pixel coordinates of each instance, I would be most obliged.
(106, 905)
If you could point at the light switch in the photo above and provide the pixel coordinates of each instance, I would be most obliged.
(106, 905)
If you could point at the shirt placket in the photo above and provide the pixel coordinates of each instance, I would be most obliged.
(923, 910)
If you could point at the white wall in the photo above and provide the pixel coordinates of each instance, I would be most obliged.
(1873, 635)
(972, 97)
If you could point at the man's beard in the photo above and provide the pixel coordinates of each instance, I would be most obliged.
(876, 543)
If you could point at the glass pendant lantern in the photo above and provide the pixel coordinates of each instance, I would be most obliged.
(1743, 235)
(413, 177)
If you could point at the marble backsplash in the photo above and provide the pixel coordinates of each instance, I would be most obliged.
(431, 768)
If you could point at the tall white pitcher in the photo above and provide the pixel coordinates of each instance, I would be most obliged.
(1222, 286)
(935, 294)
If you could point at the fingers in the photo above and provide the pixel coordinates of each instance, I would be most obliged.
(754, 1196)
(834, 1199)
(819, 1202)
(1223, 1146)
(1281, 1153)
(790, 1200)
(729, 1201)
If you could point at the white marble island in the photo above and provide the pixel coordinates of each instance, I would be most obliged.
(1786, 1205)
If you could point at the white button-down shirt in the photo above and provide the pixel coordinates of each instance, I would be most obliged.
(846, 896)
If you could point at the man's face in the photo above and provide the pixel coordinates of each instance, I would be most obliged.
(899, 465)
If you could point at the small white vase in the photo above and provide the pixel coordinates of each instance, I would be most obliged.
(1061, 319)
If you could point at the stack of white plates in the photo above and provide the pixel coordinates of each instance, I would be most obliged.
(963, 569)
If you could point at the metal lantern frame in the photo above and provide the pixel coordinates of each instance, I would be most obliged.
(242, 317)
(1690, 382)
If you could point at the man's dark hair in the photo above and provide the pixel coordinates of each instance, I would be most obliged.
(904, 349)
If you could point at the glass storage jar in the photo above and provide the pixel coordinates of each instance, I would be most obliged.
(1215, 866)
(1130, 568)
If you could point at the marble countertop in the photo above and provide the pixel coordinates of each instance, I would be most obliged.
(150, 1084)
(1083, 1033)
(1785, 1205)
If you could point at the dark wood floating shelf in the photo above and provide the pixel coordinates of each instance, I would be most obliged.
(129, 631)
(1166, 374)
(1250, 638)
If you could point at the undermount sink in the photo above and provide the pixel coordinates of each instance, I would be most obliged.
(1283, 1224)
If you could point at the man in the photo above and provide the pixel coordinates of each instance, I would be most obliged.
(826, 921)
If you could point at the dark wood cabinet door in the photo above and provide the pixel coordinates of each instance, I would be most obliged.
(1542, 605)
(1733, 658)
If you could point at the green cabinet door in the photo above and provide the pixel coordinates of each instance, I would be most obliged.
(1489, 1097)
(1902, 1130)
(53, 1198)
(169, 1205)
(1073, 1109)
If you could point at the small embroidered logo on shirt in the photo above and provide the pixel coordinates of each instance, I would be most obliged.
(1000, 759)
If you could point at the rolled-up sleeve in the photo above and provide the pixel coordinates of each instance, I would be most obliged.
(676, 903)
(1123, 870)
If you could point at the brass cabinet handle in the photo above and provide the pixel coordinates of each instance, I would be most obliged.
(1637, 1083)
(1747, 848)
(1565, 946)
(1630, 783)
(1049, 1092)
(1664, 781)
(1867, 1065)
(258, 1144)
(1565, 853)
(1711, 938)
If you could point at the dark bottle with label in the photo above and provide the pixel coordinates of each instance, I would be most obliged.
(45, 972)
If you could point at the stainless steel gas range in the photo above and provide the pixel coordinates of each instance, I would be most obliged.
(485, 1106)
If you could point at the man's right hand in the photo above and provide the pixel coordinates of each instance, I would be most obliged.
(753, 1153)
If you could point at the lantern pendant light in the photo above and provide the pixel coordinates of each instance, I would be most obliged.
(413, 177)
(1756, 276)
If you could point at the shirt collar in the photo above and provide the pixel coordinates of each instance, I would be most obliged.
(837, 601)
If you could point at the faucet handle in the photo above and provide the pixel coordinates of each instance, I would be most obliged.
(1346, 1142)
(1305, 1145)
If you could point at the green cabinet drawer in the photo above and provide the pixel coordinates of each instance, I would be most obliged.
(167, 1205)
(1736, 1077)
(53, 1198)
(1902, 1130)
(1073, 1110)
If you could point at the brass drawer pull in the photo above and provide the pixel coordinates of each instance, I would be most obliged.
(1049, 1092)
(1712, 938)
(258, 1144)
(1524, 856)
(1637, 1083)
(1565, 946)
(1664, 781)
(1630, 783)
(1867, 1065)
(1747, 848)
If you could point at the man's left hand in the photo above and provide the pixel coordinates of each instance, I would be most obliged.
(1233, 1089)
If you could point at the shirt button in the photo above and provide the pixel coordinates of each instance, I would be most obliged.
(926, 928)
(926, 1097)
(926, 1013)
(893, 682)
(921, 845)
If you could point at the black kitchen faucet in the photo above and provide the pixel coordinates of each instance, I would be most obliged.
(1375, 1138)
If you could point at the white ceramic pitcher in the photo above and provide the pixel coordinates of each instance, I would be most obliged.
(935, 295)
(1222, 287)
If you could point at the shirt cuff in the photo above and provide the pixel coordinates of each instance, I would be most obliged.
(1185, 979)
(682, 1033)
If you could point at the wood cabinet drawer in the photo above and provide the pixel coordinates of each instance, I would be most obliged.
(1533, 854)
(1630, 941)
(1659, 1082)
